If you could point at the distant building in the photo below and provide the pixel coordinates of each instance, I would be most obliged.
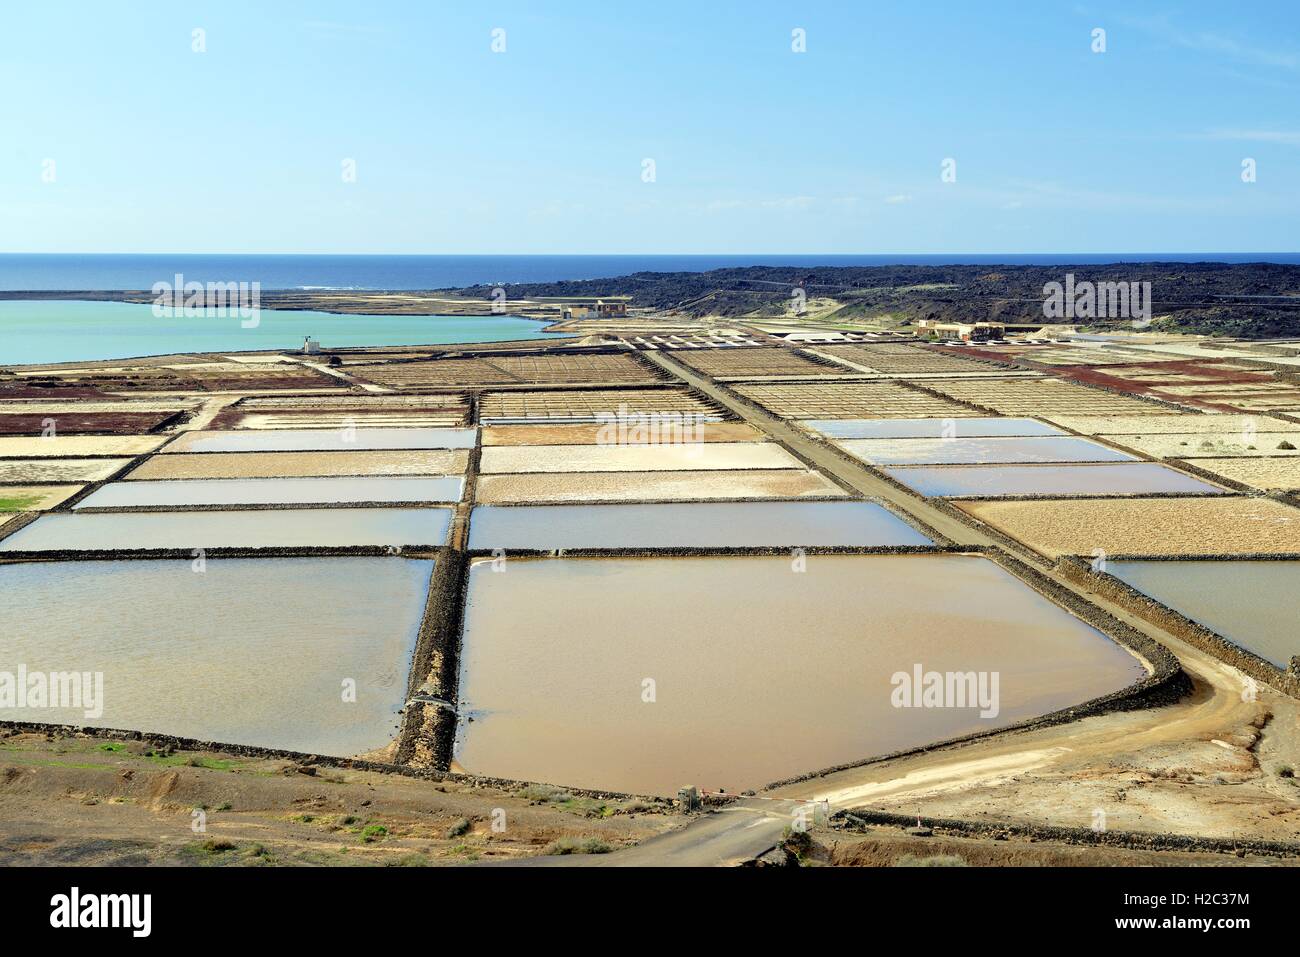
(310, 346)
(598, 310)
(965, 331)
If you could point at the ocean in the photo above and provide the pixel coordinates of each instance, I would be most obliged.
(41, 271)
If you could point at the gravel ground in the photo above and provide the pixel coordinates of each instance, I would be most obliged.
(1224, 425)
(644, 458)
(591, 434)
(654, 486)
(31, 446)
(59, 470)
(36, 498)
(301, 464)
(1261, 473)
(1185, 444)
(1168, 526)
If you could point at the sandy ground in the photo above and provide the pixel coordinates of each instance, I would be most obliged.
(1223, 525)
(37, 498)
(591, 434)
(355, 439)
(1221, 425)
(93, 801)
(38, 446)
(893, 847)
(1187, 444)
(1260, 473)
(851, 400)
(655, 486)
(59, 470)
(1043, 397)
(361, 420)
(301, 464)
(709, 456)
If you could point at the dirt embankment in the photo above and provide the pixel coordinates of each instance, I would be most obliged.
(81, 799)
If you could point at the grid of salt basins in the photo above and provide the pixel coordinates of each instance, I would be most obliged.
(139, 583)
(642, 635)
(1001, 457)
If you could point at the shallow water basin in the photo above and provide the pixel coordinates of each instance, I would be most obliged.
(687, 525)
(251, 651)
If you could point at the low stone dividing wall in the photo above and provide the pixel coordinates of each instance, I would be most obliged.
(1079, 569)
(860, 821)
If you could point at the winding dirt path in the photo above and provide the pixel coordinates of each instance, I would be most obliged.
(1019, 774)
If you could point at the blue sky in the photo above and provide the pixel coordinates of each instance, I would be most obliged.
(757, 149)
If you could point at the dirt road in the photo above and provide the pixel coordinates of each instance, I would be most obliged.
(1213, 764)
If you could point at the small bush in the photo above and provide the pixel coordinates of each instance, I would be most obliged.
(573, 845)
(935, 860)
(458, 828)
(545, 793)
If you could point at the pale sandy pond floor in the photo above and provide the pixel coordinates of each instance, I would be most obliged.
(636, 458)
(650, 486)
(16, 446)
(1216, 525)
(58, 470)
(251, 651)
(757, 672)
(302, 464)
(277, 491)
(323, 440)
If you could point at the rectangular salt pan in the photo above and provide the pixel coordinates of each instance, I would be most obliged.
(251, 651)
(556, 652)
(689, 525)
(286, 491)
(934, 428)
(1253, 604)
(1120, 478)
(323, 440)
(981, 451)
(259, 528)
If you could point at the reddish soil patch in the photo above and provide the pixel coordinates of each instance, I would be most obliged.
(84, 423)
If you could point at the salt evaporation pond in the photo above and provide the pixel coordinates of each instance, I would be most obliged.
(1253, 604)
(258, 528)
(251, 651)
(1120, 478)
(982, 451)
(759, 672)
(689, 525)
(286, 491)
(322, 440)
(928, 428)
